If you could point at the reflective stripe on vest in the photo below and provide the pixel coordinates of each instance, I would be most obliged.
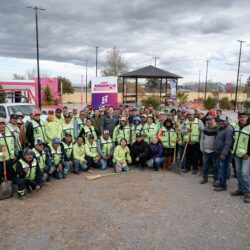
(89, 131)
(168, 138)
(123, 133)
(69, 128)
(41, 157)
(195, 134)
(106, 146)
(92, 147)
(16, 131)
(56, 154)
(31, 174)
(7, 139)
(241, 140)
(68, 149)
(38, 130)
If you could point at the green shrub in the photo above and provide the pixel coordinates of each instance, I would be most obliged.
(209, 103)
(225, 103)
(151, 100)
(247, 105)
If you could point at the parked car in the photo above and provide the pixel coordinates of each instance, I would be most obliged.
(6, 109)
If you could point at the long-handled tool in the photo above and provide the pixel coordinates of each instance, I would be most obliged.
(174, 167)
(185, 149)
(99, 176)
(6, 187)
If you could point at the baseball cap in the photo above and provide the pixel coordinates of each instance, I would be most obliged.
(105, 132)
(223, 118)
(58, 110)
(190, 112)
(38, 141)
(123, 118)
(27, 151)
(161, 113)
(138, 135)
(67, 116)
(2, 120)
(51, 112)
(36, 112)
(242, 113)
(144, 115)
(67, 134)
(137, 118)
(212, 112)
(56, 140)
(209, 117)
(19, 113)
(184, 110)
(13, 116)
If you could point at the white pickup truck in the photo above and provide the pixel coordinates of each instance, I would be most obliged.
(6, 109)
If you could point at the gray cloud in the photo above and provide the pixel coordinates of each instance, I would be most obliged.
(69, 30)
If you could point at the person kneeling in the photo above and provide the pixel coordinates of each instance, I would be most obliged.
(29, 174)
(79, 155)
(92, 156)
(139, 151)
(122, 157)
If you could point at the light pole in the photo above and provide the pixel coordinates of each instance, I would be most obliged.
(96, 57)
(238, 73)
(199, 86)
(155, 57)
(37, 54)
(86, 87)
(207, 61)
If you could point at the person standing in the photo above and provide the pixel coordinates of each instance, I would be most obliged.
(222, 144)
(35, 129)
(207, 148)
(149, 129)
(96, 121)
(68, 127)
(241, 152)
(8, 151)
(122, 130)
(192, 131)
(109, 121)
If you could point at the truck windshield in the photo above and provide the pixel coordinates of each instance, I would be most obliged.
(25, 109)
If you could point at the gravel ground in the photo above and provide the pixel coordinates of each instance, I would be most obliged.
(139, 210)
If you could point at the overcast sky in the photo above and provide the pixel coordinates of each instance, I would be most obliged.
(182, 33)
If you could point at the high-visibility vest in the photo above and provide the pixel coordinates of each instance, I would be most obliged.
(79, 151)
(89, 131)
(56, 154)
(122, 154)
(136, 129)
(16, 132)
(81, 124)
(31, 174)
(149, 130)
(91, 147)
(106, 145)
(68, 148)
(41, 158)
(195, 134)
(38, 130)
(7, 139)
(168, 137)
(241, 140)
(68, 128)
(119, 133)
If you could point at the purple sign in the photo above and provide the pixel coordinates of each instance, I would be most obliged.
(106, 99)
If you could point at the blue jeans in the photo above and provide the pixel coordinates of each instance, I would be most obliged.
(243, 167)
(124, 169)
(157, 162)
(181, 152)
(223, 170)
(207, 159)
(79, 166)
(92, 164)
(105, 163)
(66, 167)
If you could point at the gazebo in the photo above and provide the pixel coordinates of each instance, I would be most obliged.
(149, 72)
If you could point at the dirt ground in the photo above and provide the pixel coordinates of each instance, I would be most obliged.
(139, 210)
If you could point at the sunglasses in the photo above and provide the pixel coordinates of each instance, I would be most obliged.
(37, 115)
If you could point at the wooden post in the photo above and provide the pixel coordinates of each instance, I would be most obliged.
(123, 90)
(160, 90)
(136, 90)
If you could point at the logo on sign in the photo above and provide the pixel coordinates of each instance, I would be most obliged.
(104, 99)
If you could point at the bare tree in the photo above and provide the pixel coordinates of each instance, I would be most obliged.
(33, 73)
(18, 77)
(116, 64)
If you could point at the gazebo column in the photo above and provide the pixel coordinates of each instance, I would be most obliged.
(123, 90)
(176, 88)
(136, 91)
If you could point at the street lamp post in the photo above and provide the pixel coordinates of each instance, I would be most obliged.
(207, 61)
(96, 59)
(238, 73)
(37, 53)
(86, 87)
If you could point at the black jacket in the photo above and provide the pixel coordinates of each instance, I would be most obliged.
(140, 149)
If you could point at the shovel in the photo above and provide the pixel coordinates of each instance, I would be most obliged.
(6, 187)
(99, 176)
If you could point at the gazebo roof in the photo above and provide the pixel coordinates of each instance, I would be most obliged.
(150, 72)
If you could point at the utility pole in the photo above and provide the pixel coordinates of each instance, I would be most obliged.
(155, 57)
(199, 86)
(36, 9)
(207, 61)
(96, 57)
(86, 87)
(238, 73)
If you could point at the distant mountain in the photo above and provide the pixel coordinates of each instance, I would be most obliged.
(211, 86)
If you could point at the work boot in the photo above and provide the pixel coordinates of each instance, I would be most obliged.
(21, 194)
(216, 184)
(156, 169)
(246, 198)
(203, 181)
(237, 193)
(194, 171)
(219, 189)
(185, 170)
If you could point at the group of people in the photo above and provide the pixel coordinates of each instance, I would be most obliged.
(35, 150)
